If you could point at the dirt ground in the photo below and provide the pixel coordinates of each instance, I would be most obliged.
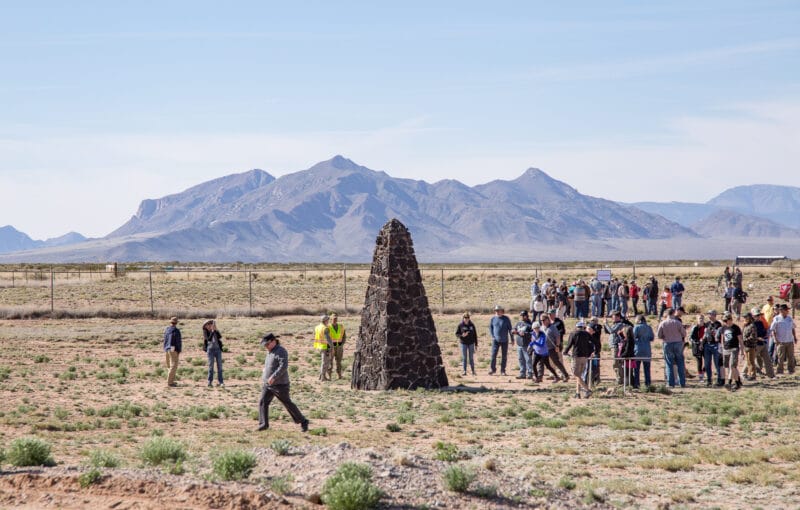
(94, 384)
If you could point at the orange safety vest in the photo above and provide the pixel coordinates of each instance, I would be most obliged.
(336, 336)
(319, 337)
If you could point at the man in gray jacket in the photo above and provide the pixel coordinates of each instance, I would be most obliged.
(275, 383)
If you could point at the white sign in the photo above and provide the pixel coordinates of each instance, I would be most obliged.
(604, 275)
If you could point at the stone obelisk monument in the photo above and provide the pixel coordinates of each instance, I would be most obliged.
(397, 346)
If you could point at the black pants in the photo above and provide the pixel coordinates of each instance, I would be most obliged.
(539, 364)
(281, 392)
(556, 362)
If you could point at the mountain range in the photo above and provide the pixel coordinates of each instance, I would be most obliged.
(12, 240)
(333, 210)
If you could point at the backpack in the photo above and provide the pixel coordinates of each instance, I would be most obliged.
(785, 289)
(740, 296)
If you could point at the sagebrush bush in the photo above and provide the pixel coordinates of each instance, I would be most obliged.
(281, 446)
(351, 488)
(234, 464)
(103, 459)
(458, 478)
(30, 451)
(160, 450)
(89, 477)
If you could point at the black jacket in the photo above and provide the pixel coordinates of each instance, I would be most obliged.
(208, 337)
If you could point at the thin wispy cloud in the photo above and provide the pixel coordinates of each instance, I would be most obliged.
(614, 69)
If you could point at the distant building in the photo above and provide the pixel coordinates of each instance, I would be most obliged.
(757, 260)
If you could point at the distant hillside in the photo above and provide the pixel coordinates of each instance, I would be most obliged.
(333, 210)
(777, 203)
(725, 223)
(12, 240)
(780, 204)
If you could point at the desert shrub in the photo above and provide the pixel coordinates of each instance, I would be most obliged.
(458, 478)
(30, 451)
(89, 477)
(2, 456)
(565, 482)
(351, 488)
(103, 459)
(161, 450)
(393, 427)
(281, 484)
(281, 446)
(447, 452)
(234, 464)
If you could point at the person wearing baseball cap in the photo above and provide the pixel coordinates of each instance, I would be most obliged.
(522, 337)
(275, 383)
(322, 342)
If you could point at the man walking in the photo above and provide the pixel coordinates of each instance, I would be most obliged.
(338, 337)
(322, 342)
(500, 331)
(275, 384)
(554, 343)
(782, 330)
(672, 334)
(172, 348)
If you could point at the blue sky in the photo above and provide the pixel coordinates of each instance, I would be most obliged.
(104, 104)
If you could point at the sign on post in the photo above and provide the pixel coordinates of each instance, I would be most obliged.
(604, 275)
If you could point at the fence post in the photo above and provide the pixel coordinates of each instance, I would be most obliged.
(13, 272)
(152, 307)
(442, 278)
(52, 291)
(250, 281)
(344, 279)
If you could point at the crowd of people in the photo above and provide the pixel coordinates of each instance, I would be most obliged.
(762, 338)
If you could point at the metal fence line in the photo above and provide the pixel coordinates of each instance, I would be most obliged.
(20, 279)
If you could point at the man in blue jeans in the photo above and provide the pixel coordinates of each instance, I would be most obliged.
(711, 354)
(522, 337)
(672, 334)
(500, 331)
(677, 289)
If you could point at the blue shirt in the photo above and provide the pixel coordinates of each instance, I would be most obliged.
(643, 336)
(539, 343)
(172, 338)
(676, 288)
(500, 328)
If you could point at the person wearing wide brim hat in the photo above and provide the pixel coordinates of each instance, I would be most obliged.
(212, 345)
(172, 346)
(500, 330)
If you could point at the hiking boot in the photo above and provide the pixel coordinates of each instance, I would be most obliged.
(503, 373)
(304, 425)
(492, 372)
(520, 377)
(578, 395)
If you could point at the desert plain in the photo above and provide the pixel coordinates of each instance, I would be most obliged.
(89, 380)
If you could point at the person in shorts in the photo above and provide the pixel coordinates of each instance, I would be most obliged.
(581, 341)
(730, 337)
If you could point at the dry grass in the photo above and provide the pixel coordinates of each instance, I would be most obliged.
(97, 383)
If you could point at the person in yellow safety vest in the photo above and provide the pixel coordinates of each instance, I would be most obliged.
(322, 342)
(338, 336)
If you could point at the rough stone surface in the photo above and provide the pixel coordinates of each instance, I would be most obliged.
(397, 346)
